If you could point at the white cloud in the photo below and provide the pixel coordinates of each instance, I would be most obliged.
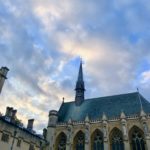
(145, 77)
(40, 38)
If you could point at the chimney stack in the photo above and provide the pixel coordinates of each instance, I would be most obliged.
(9, 111)
(30, 124)
(44, 133)
(3, 76)
(13, 117)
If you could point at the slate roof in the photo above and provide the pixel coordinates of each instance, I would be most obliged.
(110, 105)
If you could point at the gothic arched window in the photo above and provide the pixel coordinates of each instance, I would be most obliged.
(137, 139)
(79, 141)
(116, 140)
(61, 142)
(97, 140)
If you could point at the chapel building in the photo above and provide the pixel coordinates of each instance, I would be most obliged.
(118, 122)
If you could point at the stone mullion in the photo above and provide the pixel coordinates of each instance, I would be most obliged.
(124, 131)
(69, 136)
(105, 134)
(87, 136)
(145, 128)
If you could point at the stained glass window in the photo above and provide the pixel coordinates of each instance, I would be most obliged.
(97, 140)
(62, 142)
(117, 140)
(79, 141)
(137, 140)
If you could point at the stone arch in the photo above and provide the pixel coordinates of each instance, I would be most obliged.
(79, 141)
(97, 142)
(116, 139)
(60, 142)
(136, 138)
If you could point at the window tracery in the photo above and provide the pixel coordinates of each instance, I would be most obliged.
(97, 141)
(79, 141)
(117, 140)
(137, 139)
(62, 142)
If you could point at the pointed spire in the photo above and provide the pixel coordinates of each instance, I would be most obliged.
(80, 82)
(70, 121)
(104, 117)
(80, 75)
(122, 115)
(87, 118)
(80, 89)
(142, 113)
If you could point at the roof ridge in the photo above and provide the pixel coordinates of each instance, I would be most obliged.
(107, 96)
(114, 95)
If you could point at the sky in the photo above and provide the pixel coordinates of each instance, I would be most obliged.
(42, 42)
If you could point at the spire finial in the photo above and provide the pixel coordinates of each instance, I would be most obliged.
(122, 115)
(63, 99)
(104, 117)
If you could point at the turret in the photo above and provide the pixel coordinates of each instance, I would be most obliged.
(3, 76)
(80, 89)
(53, 117)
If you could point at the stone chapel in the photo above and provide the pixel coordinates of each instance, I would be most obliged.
(117, 122)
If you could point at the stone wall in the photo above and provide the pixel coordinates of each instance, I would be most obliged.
(106, 126)
(28, 140)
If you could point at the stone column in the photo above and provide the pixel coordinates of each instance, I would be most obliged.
(87, 133)
(106, 146)
(68, 146)
(124, 131)
(51, 129)
(50, 137)
(145, 128)
(147, 134)
(69, 135)
(105, 131)
(148, 143)
(87, 137)
(87, 146)
(126, 145)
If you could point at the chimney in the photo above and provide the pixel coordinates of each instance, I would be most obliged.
(9, 111)
(30, 124)
(3, 76)
(13, 117)
(44, 133)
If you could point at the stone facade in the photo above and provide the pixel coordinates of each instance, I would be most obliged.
(14, 136)
(100, 123)
(126, 125)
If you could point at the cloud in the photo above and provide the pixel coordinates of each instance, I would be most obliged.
(41, 42)
(145, 77)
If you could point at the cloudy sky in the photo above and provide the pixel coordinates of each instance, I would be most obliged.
(41, 42)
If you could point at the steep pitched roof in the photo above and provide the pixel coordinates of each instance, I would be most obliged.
(110, 105)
